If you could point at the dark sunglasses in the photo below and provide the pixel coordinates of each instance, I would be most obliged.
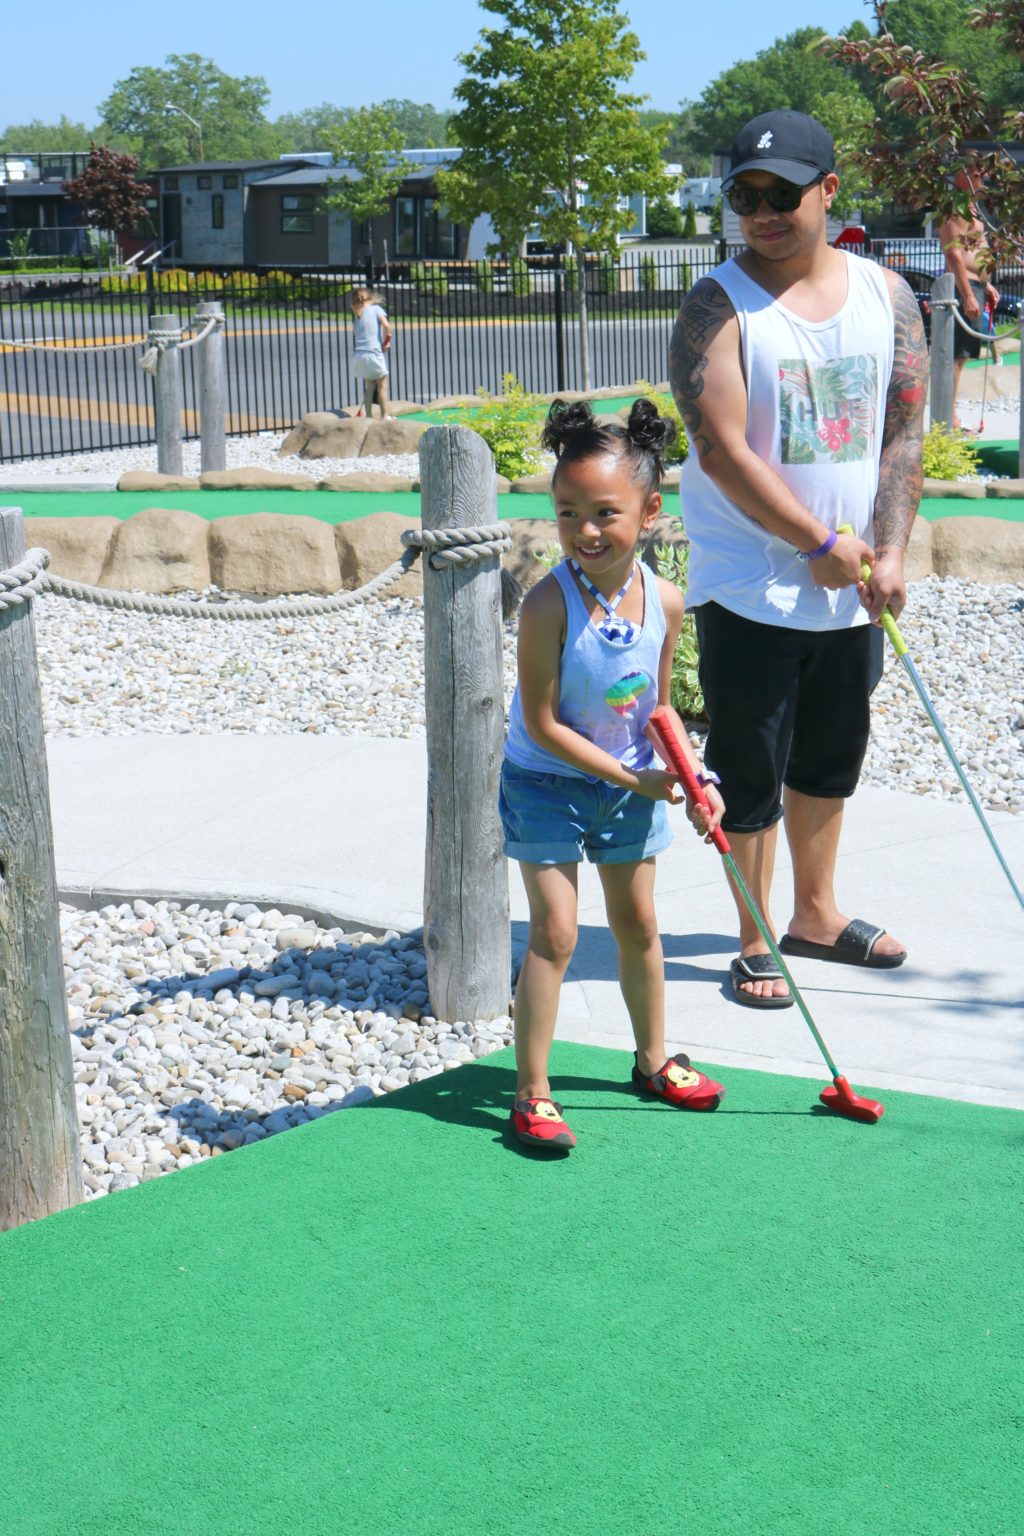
(783, 197)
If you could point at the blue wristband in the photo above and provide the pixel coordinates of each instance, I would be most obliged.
(822, 549)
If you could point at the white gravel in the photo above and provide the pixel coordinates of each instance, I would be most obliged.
(256, 452)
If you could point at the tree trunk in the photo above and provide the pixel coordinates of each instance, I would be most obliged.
(40, 1162)
(581, 300)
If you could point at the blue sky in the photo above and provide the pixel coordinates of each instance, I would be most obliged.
(64, 57)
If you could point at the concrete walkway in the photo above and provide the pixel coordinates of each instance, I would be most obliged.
(334, 827)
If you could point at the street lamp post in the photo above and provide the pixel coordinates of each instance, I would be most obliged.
(170, 107)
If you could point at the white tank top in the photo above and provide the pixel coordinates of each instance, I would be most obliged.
(816, 393)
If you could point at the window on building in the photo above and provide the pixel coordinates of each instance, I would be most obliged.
(296, 223)
(230, 181)
(440, 233)
(217, 210)
(170, 183)
(405, 226)
(204, 183)
(292, 203)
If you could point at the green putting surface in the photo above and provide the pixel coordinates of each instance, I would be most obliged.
(454, 413)
(393, 1320)
(344, 506)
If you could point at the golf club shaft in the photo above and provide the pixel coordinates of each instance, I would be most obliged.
(663, 735)
(900, 647)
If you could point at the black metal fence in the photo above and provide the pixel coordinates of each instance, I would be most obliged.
(70, 344)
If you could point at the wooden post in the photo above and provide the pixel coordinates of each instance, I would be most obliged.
(168, 394)
(943, 327)
(40, 1161)
(465, 906)
(212, 389)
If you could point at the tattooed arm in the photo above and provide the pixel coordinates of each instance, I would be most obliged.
(710, 389)
(899, 475)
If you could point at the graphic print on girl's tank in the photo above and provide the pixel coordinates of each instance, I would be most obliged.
(827, 411)
(625, 695)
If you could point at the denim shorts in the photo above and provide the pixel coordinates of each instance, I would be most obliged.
(550, 818)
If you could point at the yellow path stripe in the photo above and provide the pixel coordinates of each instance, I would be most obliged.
(124, 414)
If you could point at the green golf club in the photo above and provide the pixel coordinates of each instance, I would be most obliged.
(900, 647)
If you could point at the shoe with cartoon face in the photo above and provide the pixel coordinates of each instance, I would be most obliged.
(539, 1123)
(680, 1084)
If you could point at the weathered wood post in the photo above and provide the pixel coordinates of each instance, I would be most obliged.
(943, 327)
(40, 1162)
(213, 397)
(465, 907)
(165, 335)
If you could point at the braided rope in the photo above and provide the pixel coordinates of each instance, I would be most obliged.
(30, 578)
(459, 546)
(194, 341)
(986, 336)
(62, 351)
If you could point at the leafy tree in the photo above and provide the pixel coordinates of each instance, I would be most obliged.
(935, 121)
(791, 73)
(230, 111)
(308, 129)
(421, 125)
(107, 190)
(370, 142)
(547, 135)
(679, 146)
(38, 137)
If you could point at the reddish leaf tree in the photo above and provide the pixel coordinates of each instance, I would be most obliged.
(935, 122)
(107, 191)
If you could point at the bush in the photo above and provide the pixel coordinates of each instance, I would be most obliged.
(684, 689)
(571, 268)
(128, 282)
(277, 286)
(666, 406)
(484, 274)
(509, 425)
(648, 274)
(947, 455)
(174, 280)
(664, 221)
(429, 279)
(606, 276)
(241, 285)
(689, 222)
(518, 281)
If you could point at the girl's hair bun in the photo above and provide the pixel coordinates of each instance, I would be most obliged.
(649, 430)
(567, 421)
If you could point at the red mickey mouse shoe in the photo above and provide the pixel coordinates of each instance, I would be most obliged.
(680, 1084)
(539, 1123)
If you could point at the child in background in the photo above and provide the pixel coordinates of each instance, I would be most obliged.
(596, 640)
(371, 337)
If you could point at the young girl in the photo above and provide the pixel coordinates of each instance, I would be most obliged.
(371, 337)
(596, 640)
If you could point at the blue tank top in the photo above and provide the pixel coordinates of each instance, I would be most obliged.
(606, 690)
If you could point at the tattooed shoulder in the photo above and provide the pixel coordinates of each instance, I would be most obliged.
(908, 384)
(703, 312)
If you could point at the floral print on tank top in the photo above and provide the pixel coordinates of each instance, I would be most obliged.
(828, 411)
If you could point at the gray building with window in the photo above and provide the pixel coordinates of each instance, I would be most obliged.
(207, 213)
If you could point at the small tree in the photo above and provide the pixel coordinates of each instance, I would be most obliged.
(108, 192)
(370, 143)
(664, 221)
(547, 136)
(690, 222)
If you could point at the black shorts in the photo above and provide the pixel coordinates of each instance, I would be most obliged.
(786, 707)
(964, 345)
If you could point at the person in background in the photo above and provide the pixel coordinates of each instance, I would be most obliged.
(371, 337)
(967, 262)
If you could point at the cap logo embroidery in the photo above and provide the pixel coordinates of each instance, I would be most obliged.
(765, 141)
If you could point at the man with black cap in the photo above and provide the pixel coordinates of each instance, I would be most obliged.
(800, 372)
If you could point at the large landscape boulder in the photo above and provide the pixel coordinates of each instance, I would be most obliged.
(264, 553)
(532, 539)
(325, 435)
(918, 560)
(959, 490)
(368, 545)
(391, 436)
(149, 480)
(160, 549)
(78, 545)
(532, 485)
(368, 480)
(986, 549)
(253, 479)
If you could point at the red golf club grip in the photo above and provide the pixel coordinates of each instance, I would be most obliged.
(662, 733)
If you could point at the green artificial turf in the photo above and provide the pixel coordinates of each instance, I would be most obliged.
(765, 1321)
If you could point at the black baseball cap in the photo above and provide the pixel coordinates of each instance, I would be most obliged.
(786, 143)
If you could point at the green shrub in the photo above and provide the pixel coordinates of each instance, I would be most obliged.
(571, 268)
(689, 222)
(947, 455)
(484, 275)
(509, 424)
(685, 692)
(606, 277)
(174, 280)
(242, 285)
(648, 274)
(684, 276)
(428, 278)
(663, 219)
(666, 406)
(519, 279)
(277, 287)
(127, 282)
